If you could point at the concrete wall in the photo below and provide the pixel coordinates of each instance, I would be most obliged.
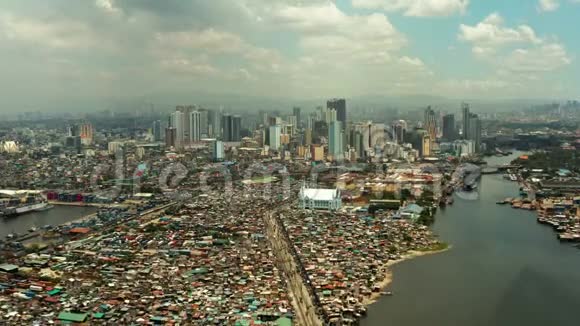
(306, 311)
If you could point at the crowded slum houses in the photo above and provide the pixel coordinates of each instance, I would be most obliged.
(207, 263)
(345, 256)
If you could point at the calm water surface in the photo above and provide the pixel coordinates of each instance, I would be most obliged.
(55, 216)
(504, 269)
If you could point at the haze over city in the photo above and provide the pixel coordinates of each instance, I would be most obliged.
(289, 163)
(89, 54)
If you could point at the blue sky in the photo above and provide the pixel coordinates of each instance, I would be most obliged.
(63, 50)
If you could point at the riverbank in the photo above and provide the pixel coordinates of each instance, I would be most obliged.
(388, 276)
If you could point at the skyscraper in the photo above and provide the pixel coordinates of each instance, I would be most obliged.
(157, 131)
(194, 126)
(340, 106)
(296, 113)
(218, 150)
(275, 133)
(170, 136)
(176, 122)
(237, 128)
(231, 126)
(214, 128)
(399, 131)
(449, 127)
(474, 131)
(204, 122)
(466, 117)
(335, 140)
(430, 123)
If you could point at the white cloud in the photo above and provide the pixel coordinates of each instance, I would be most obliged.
(187, 66)
(416, 8)
(518, 51)
(548, 5)
(326, 31)
(62, 34)
(108, 6)
(545, 58)
(490, 34)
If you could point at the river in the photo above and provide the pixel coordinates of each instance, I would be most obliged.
(55, 216)
(503, 269)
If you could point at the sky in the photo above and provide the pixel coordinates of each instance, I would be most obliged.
(57, 51)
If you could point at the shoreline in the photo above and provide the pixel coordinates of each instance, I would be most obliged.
(388, 276)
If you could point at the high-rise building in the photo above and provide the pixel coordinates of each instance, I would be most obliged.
(237, 128)
(296, 113)
(449, 127)
(157, 131)
(275, 133)
(214, 128)
(466, 117)
(85, 131)
(399, 131)
(307, 136)
(170, 137)
(194, 126)
(335, 140)
(177, 123)
(474, 131)
(218, 150)
(204, 122)
(430, 122)
(340, 106)
(231, 126)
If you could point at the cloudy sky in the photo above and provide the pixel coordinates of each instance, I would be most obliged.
(56, 50)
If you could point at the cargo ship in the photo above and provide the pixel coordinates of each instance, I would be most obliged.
(18, 202)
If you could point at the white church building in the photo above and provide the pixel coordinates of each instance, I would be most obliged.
(326, 199)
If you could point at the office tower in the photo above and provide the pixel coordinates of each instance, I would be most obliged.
(214, 125)
(264, 118)
(177, 122)
(335, 140)
(194, 126)
(204, 122)
(466, 117)
(157, 131)
(430, 123)
(358, 144)
(307, 136)
(474, 131)
(294, 123)
(274, 136)
(340, 106)
(296, 113)
(399, 131)
(218, 150)
(231, 126)
(85, 131)
(170, 137)
(237, 128)
(449, 127)
(330, 115)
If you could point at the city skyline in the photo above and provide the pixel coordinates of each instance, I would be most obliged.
(107, 49)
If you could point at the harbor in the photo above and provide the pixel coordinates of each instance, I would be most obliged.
(55, 216)
(504, 268)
